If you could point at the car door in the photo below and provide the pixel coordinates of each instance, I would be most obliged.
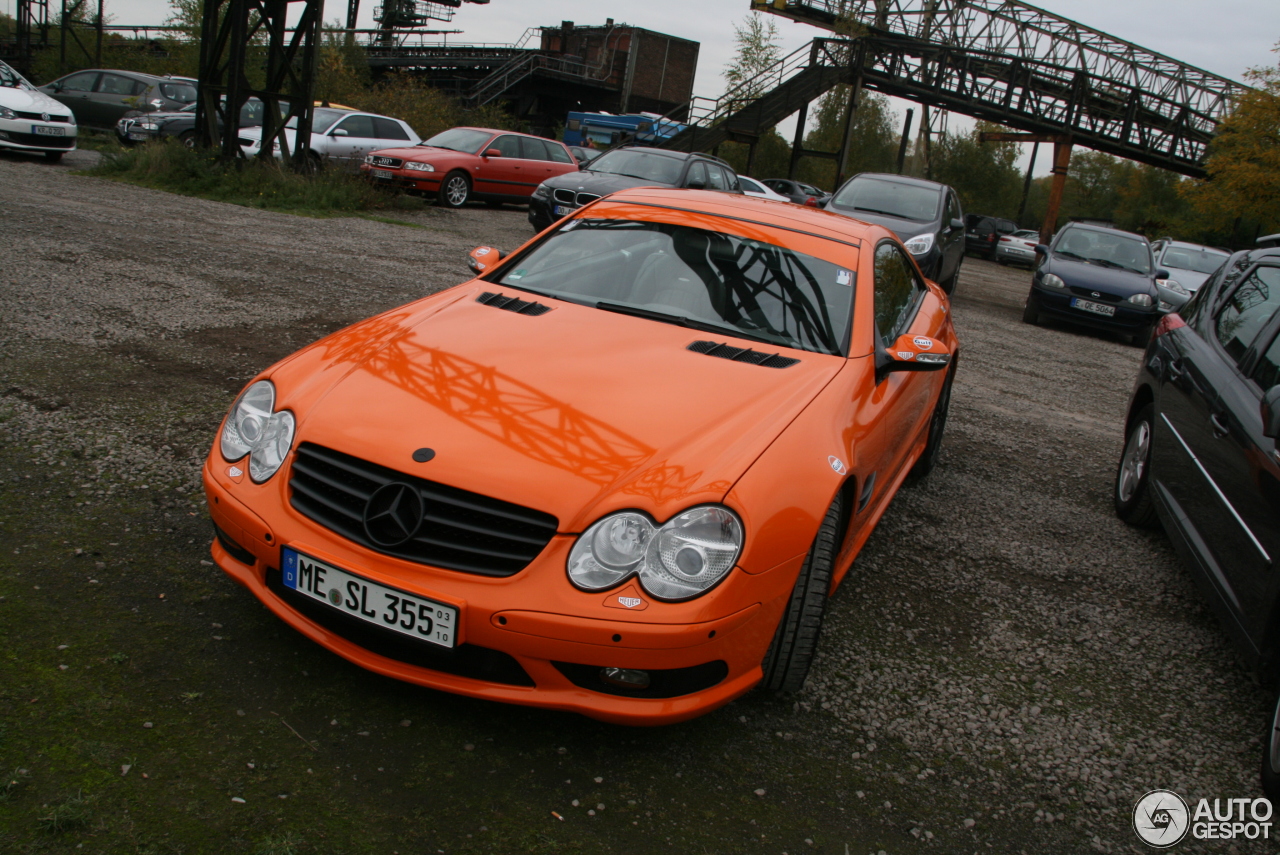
(350, 147)
(1194, 457)
(537, 165)
(952, 238)
(75, 91)
(116, 95)
(502, 175)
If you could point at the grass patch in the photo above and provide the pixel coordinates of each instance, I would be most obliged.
(71, 813)
(168, 165)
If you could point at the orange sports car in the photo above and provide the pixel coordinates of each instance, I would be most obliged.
(618, 472)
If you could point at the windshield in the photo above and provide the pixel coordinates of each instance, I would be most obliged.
(891, 198)
(10, 79)
(459, 139)
(1106, 249)
(645, 165)
(694, 277)
(1025, 233)
(1198, 259)
(321, 120)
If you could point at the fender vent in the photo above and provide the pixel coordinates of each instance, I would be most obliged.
(512, 304)
(742, 354)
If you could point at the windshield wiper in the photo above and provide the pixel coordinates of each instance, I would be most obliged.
(1069, 254)
(878, 211)
(683, 321)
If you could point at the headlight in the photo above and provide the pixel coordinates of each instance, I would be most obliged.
(920, 244)
(1140, 300)
(680, 559)
(542, 191)
(156, 103)
(6, 113)
(418, 167)
(1175, 286)
(254, 428)
(1051, 280)
(148, 126)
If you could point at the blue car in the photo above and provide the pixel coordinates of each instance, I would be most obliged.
(1099, 277)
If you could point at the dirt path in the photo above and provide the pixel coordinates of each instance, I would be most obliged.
(1006, 670)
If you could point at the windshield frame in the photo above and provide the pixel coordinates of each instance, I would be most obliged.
(487, 136)
(842, 334)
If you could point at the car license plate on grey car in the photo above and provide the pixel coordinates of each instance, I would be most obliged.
(1096, 308)
(46, 131)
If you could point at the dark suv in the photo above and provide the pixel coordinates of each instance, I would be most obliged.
(925, 215)
(1200, 455)
(625, 167)
(982, 234)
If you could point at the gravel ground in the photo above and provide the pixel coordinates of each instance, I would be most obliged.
(1008, 668)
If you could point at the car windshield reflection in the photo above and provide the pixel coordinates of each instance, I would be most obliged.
(694, 277)
(1106, 250)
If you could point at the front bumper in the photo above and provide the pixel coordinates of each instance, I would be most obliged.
(512, 626)
(1127, 318)
(22, 135)
(1016, 254)
(403, 179)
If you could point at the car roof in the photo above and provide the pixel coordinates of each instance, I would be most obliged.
(766, 212)
(141, 75)
(495, 131)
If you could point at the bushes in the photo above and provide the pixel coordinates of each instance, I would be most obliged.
(171, 166)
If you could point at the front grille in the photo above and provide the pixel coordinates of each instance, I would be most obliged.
(742, 354)
(512, 304)
(465, 660)
(587, 198)
(1089, 294)
(39, 117)
(565, 197)
(38, 140)
(379, 160)
(666, 683)
(460, 530)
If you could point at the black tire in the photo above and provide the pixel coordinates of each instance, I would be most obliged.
(786, 665)
(1141, 338)
(1132, 493)
(1001, 262)
(189, 139)
(455, 190)
(950, 285)
(53, 156)
(1031, 311)
(937, 426)
(1271, 755)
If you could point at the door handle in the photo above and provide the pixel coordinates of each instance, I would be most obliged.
(1220, 428)
(1176, 370)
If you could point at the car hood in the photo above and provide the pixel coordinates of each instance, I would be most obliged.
(30, 101)
(420, 152)
(1188, 279)
(1110, 279)
(599, 183)
(576, 412)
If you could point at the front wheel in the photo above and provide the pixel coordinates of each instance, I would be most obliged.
(189, 139)
(1031, 311)
(53, 156)
(786, 665)
(950, 285)
(1271, 755)
(937, 424)
(455, 189)
(1132, 492)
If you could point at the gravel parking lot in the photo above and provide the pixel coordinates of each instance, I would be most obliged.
(1007, 669)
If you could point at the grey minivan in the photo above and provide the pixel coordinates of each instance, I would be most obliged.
(100, 97)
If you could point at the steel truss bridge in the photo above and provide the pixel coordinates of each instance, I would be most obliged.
(1005, 61)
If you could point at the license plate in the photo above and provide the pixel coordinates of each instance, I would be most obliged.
(138, 136)
(1096, 308)
(389, 608)
(380, 173)
(46, 131)
(561, 210)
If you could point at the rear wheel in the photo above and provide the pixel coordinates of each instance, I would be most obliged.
(786, 665)
(188, 138)
(454, 190)
(1031, 311)
(937, 424)
(1132, 493)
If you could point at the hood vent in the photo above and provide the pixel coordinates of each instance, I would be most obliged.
(512, 304)
(742, 354)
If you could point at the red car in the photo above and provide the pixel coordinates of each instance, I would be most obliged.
(472, 163)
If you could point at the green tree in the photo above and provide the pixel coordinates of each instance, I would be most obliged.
(873, 145)
(757, 50)
(984, 174)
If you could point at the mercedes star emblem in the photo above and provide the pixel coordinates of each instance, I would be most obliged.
(393, 514)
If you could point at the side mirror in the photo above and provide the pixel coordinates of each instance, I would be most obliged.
(492, 152)
(1271, 413)
(338, 132)
(1041, 249)
(957, 223)
(1163, 274)
(482, 258)
(912, 353)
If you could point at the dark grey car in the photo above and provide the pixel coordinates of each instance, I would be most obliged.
(100, 97)
(925, 215)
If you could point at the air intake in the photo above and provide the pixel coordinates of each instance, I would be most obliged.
(512, 304)
(742, 354)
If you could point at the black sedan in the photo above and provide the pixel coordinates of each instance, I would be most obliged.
(1099, 277)
(138, 127)
(623, 168)
(797, 191)
(1200, 456)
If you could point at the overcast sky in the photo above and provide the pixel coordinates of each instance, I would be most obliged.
(1226, 37)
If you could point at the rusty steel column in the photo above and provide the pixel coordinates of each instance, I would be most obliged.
(1061, 163)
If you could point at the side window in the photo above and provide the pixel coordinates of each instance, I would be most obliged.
(896, 289)
(1248, 309)
(80, 82)
(114, 84)
(557, 152)
(953, 209)
(357, 126)
(697, 175)
(730, 179)
(1267, 372)
(534, 149)
(748, 185)
(507, 144)
(715, 178)
(388, 129)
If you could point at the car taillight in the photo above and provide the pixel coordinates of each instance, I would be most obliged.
(811, 201)
(1168, 324)
(992, 237)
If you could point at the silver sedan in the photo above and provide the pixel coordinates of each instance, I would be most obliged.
(340, 137)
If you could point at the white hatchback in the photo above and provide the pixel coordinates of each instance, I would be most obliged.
(340, 137)
(32, 121)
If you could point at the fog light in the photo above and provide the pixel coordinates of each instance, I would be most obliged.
(625, 678)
